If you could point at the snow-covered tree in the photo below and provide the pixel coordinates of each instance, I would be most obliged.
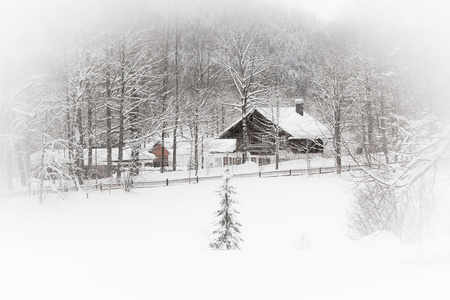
(16, 115)
(243, 59)
(134, 89)
(202, 78)
(227, 232)
(331, 87)
(398, 196)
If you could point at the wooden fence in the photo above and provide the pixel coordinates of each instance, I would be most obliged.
(106, 186)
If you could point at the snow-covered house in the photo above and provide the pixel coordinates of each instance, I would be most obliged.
(289, 129)
(183, 153)
(220, 153)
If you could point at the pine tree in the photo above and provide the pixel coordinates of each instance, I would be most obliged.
(228, 228)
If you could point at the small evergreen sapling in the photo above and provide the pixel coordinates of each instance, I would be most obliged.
(227, 227)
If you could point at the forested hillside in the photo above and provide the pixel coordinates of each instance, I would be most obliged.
(112, 75)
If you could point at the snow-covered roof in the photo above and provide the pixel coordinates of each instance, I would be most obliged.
(296, 125)
(220, 145)
(184, 145)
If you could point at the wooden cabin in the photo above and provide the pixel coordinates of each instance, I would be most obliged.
(287, 129)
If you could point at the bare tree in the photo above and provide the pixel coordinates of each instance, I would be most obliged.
(16, 114)
(203, 76)
(177, 55)
(135, 81)
(374, 87)
(79, 65)
(331, 88)
(245, 63)
(397, 197)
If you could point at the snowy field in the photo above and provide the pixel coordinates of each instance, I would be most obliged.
(153, 244)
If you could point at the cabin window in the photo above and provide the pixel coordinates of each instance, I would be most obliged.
(264, 161)
(359, 150)
(225, 161)
(234, 161)
(218, 162)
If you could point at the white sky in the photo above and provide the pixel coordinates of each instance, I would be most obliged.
(27, 21)
(324, 9)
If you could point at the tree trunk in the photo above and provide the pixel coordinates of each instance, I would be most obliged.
(177, 108)
(121, 115)
(337, 140)
(277, 136)
(222, 124)
(70, 123)
(277, 152)
(175, 127)
(196, 149)
(120, 143)
(108, 135)
(383, 129)
(134, 132)
(365, 143)
(90, 137)
(370, 131)
(165, 89)
(79, 146)
(108, 89)
(244, 133)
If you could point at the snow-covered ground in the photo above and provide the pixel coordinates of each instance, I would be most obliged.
(153, 174)
(153, 244)
(249, 167)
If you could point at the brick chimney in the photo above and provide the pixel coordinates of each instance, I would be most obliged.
(299, 103)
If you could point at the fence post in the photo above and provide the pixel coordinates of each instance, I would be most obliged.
(167, 181)
(196, 179)
(320, 170)
(349, 167)
(290, 172)
(260, 174)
